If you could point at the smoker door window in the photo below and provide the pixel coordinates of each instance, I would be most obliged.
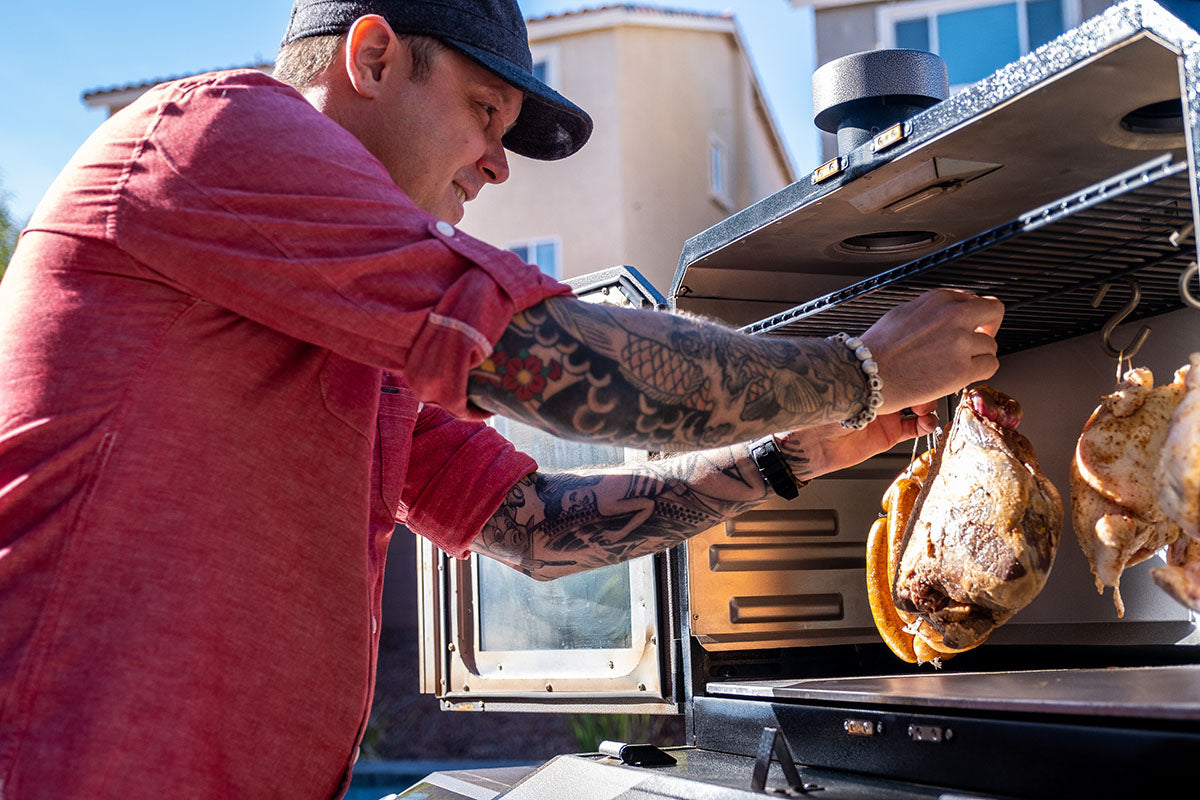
(589, 610)
(975, 38)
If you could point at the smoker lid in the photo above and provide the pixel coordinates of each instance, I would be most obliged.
(1038, 130)
(1170, 692)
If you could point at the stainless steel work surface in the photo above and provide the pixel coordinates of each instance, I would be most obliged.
(1171, 692)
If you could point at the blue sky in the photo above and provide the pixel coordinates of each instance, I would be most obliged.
(52, 51)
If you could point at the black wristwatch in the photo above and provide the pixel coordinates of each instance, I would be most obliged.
(774, 469)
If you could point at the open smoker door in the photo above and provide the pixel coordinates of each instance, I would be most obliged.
(600, 641)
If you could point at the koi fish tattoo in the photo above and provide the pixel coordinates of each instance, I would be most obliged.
(659, 381)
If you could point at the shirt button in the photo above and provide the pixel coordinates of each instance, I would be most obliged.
(444, 228)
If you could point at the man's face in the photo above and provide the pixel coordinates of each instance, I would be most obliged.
(440, 138)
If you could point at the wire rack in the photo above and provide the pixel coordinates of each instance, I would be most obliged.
(1046, 266)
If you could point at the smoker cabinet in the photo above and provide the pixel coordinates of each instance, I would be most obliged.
(1065, 184)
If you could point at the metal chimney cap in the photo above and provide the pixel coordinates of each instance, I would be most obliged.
(916, 75)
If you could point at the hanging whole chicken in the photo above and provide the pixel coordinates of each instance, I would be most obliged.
(981, 526)
(1118, 518)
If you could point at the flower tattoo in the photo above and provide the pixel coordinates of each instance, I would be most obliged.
(525, 375)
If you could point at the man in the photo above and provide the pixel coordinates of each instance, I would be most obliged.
(241, 337)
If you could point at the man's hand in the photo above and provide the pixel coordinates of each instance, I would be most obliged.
(934, 346)
(813, 452)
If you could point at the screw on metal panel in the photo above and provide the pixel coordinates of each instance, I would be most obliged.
(611, 665)
(450, 647)
(641, 687)
(949, 734)
(549, 687)
(695, 616)
(466, 688)
(879, 727)
(499, 667)
(653, 640)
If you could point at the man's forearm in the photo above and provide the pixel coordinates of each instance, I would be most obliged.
(556, 524)
(586, 371)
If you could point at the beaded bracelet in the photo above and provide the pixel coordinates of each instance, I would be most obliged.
(875, 399)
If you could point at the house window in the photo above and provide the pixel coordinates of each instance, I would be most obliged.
(546, 254)
(975, 37)
(545, 63)
(718, 171)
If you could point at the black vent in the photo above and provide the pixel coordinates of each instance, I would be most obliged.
(1046, 266)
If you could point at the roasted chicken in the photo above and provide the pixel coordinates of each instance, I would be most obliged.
(1115, 509)
(1177, 481)
(984, 530)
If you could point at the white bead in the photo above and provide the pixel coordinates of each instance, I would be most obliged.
(870, 367)
(862, 353)
(854, 343)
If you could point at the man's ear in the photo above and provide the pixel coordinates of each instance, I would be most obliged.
(372, 49)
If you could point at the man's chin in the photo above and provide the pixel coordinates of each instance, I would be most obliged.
(452, 212)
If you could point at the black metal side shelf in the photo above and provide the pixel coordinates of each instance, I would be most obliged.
(1046, 266)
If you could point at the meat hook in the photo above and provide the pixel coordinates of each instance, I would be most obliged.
(1177, 237)
(1184, 293)
(1106, 332)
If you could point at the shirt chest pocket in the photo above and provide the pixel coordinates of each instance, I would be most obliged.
(398, 409)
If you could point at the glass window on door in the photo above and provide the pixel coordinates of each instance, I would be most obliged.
(975, 37)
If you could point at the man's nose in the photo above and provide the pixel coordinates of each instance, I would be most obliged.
(494, 162)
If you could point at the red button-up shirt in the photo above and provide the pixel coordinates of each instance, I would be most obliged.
(215, 339)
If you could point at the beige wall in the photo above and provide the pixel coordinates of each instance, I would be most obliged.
(640, 188)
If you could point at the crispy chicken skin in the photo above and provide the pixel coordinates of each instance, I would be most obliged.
(983, 534)
(1115, 510)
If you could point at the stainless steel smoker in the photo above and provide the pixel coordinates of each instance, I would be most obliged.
(1065, 184)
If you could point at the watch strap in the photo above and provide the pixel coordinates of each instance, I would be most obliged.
(774, 469)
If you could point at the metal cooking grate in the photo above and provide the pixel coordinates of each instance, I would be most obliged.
(1046, 266)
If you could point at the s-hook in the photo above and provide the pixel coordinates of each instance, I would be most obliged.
(1185, 293)
(1129, 350)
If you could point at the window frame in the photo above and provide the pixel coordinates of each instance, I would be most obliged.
(719, 193)
(531, 244)
(550, 55)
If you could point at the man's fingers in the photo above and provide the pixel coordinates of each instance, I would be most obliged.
(991, 312)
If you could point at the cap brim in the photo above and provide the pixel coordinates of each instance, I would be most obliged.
(550, 126)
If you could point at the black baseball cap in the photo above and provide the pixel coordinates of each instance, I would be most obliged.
(490, 32)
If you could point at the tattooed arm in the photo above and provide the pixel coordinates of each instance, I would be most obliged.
(550, 525)
(665, 382)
